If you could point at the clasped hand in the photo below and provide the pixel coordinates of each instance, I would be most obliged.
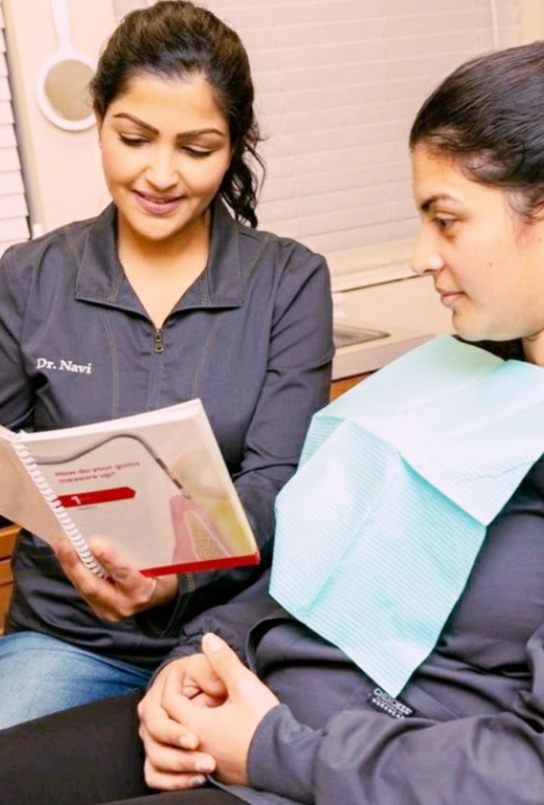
(126, 592)
(199, 717)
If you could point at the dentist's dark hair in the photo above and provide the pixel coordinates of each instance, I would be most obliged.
(489, 116)
(174, 39)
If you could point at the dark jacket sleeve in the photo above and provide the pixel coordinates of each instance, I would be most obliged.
(16, 393)
(232, 621)
(367, 757)
(296, 385)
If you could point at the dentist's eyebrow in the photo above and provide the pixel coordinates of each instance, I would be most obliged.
(184, 135)
(431, 201)
(187, 135)
(137, 121)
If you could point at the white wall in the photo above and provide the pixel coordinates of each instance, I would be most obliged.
(62, 169)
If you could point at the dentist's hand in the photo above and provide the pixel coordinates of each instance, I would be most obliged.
(125, 593)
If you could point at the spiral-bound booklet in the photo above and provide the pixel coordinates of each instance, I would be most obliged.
(154, 484)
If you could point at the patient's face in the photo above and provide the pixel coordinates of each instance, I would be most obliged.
(487, 263)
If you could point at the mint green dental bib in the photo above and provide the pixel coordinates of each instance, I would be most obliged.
(379, 529)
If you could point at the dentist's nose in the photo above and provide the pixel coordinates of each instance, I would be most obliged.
(426, 258)
(162, 171)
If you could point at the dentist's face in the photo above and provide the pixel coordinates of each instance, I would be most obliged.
(165, 150)
(487, 263)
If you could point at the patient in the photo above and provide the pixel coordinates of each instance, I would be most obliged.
(305, 724)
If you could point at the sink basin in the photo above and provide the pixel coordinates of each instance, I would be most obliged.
(345, 335)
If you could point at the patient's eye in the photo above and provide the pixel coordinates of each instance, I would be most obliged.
(444, 223)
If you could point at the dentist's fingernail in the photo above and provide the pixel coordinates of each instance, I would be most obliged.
(198, 780)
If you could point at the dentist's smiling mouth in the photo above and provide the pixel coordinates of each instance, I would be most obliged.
(157, 204)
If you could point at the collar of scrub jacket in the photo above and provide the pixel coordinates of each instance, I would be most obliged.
(101, 278)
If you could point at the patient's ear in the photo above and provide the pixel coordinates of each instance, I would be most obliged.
(525, 211)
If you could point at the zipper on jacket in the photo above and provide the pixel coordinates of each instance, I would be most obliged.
(158, 341)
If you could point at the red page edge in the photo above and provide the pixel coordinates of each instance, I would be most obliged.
(208, 564)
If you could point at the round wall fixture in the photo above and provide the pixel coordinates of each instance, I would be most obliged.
(63, 80)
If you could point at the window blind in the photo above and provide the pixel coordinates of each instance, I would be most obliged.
(14, 226)
(338, 83)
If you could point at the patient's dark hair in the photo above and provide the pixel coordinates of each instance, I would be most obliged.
(489, 115)
(176, 39)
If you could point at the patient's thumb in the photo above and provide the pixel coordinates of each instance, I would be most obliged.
(222, 658)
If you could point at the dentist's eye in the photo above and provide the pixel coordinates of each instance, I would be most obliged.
(132, 141)
(197, 153)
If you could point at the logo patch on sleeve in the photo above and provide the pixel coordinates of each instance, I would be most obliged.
(393, 707)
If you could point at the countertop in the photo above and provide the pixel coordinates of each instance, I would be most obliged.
(407, 309)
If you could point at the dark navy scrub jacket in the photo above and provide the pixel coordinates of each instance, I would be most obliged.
(252, 337)
(468, 728)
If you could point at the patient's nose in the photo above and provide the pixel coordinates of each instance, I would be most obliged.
(425, 257)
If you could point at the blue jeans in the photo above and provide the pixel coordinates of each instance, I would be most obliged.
(40, 675)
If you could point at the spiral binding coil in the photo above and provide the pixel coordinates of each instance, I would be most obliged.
(66, 523)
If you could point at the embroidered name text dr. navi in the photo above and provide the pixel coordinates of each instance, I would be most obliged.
(65, 366)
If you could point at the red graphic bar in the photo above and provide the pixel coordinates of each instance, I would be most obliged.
(202, 564)
(97, 496)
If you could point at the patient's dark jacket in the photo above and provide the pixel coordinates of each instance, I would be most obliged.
(467, 728)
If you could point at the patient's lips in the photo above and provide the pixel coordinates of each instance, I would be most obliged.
(447, 297)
